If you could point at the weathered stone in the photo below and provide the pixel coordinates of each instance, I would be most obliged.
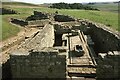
(38, 23)
(109, 66)
(19, 22)
(7, 11)
(37, 16)
(63, 18)
(36, 65)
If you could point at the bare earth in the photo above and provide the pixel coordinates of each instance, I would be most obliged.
(12, 43)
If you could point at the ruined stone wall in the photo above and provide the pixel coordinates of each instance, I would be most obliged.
(19, 22)
(44, 38)
(38, 23)
(35, 65)
(37, 16)
(105, 39)
(7, 11)
(109, 66)
(63, 18)
(61, 28)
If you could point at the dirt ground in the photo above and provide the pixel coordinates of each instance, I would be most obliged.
(13, 42)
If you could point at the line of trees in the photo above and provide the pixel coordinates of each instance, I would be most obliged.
(71, 6)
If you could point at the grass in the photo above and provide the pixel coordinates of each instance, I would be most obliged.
(8, 30)
(18, 3)
(107, 18)
(112, 7)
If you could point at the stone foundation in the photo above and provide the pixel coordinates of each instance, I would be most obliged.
(36, 65)
(37, 16)
(19, 22)
(7, 11)
(63, 18)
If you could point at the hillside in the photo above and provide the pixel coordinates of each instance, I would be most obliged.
(111, 6)
(18, 3)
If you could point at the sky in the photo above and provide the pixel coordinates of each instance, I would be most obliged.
(66, 1)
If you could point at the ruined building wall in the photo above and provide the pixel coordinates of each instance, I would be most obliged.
(44, 38)
(7, 11)
(37, 16)
(105, 40)
(19, 22)
(63, 18)
(107, 47)
(38, 23)
(108, 66)
(35, 65)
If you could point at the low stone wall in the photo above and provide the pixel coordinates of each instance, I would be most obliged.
(38, 23)
(37, 16)
(7, 11)
(36, 65)
(19, 22)
(44, 38)
(63, 18)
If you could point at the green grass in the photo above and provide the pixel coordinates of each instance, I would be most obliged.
(107, 18)
(8, 30)
(112, 7)
(18, 3)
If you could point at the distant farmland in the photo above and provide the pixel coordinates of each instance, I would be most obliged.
(108, 18)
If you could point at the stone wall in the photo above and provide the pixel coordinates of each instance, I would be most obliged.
(104, 38)
(37, 16)
(35, 65)
(44, 38)
(38, 23)
(63, 18)
(107, 47)
(7, 11)
(19, 22)
(108, 66)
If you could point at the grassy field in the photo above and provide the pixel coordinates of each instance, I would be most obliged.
(107, 18)
(18, 3)
(111, 7)
(8, 30)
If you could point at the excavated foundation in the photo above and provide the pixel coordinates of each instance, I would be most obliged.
(66, 48)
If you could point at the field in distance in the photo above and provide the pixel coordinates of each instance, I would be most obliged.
(108, 6)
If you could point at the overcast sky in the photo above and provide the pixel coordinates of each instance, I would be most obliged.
(66, 1)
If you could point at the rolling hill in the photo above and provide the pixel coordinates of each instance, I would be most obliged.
(109, 6)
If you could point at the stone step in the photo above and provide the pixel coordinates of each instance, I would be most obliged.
(81, 70)
(81, 65)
